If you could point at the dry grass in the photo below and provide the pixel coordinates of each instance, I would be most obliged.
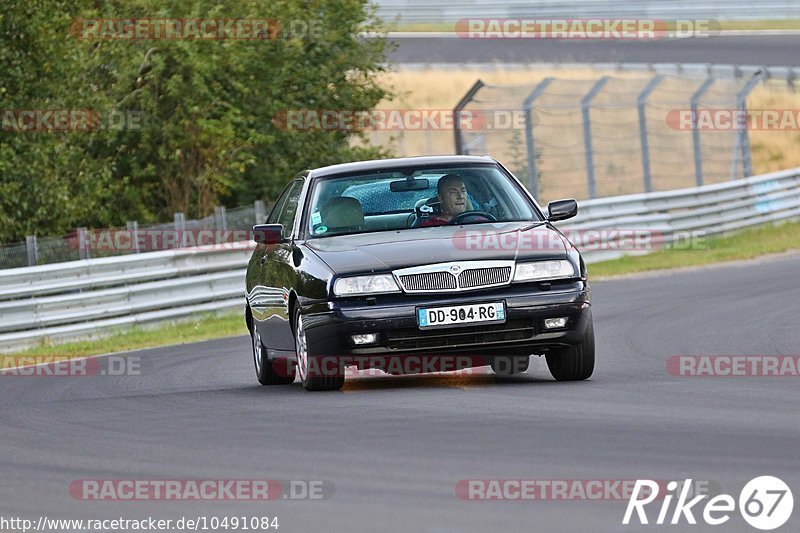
(615, 130)
(774, 150)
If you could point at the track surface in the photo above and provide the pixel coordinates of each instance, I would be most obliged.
(395, 447)
(769, 50)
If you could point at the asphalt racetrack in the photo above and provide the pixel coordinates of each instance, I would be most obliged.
(394, 448)
(755, 49)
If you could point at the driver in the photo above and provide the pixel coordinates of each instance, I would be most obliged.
(453, 196)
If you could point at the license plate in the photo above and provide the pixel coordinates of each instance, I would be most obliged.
(461, 314)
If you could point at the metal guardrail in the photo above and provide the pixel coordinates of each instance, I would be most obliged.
(441, 11)
(89, 297)
(94, 296)
(684, 213)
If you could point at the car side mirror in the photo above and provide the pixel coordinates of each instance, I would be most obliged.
(268, 233)
(562, 209)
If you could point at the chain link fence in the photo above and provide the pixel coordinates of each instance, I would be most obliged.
(613, 135)
(224, 226)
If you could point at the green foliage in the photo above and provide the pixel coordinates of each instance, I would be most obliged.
(199, 113)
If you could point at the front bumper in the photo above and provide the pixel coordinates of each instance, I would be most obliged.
(329, 325)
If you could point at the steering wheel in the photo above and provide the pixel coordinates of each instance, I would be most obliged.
(459, 218)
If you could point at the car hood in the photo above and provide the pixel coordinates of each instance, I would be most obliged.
(390, 250)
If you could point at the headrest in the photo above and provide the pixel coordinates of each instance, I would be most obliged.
(342, 212)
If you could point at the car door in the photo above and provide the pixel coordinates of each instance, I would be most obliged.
(277, 276)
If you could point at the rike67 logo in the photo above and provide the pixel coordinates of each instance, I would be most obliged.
(765, 503)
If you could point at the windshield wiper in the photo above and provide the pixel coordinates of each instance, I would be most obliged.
(534, 225)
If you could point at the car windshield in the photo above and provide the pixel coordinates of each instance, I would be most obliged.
(411, 198)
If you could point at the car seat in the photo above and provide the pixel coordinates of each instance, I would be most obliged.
(342, 214)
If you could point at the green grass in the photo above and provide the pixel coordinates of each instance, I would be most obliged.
(746, 244)
(788, 24)
(202, 327)
(724, 25)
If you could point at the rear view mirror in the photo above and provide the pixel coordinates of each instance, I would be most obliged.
(409, 184)
(562, 209)
(268, 233)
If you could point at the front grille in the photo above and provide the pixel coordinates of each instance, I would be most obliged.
(413, 338)
(482, 277)
(429, 281)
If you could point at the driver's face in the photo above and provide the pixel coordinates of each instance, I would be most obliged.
(454, 199)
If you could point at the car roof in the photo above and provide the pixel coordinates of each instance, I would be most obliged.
(385, 164)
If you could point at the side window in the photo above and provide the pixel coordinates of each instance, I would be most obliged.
(289, 208)
(278, 207)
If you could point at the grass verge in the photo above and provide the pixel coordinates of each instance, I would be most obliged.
(747, 244)
(202, 327)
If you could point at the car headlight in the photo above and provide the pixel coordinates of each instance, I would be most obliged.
(379, 283)
(541, 270)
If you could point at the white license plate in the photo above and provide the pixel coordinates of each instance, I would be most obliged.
(461, 314)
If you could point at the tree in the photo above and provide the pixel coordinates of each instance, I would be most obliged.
(198, 113)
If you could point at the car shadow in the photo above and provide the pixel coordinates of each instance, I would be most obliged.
(460, 380)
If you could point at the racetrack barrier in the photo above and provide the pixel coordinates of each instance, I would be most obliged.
(91, 297)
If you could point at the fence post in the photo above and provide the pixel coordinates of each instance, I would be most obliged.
(261, 212)
(641, 102)
(133, 230)
(180, 229)
(533, 175)
(587, 132)
(742, 134)
(83, 243)
(221, 218)
(698, 150)
(459, 138)
(33, 250)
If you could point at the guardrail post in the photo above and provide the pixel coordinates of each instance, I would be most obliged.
(533, 175)
(698, 150)
(33, 250)
(83, 243)
(587, 133)
(641, 102)
(261, 212)
(742, 134)
(133, 230)
(180, 229)
(459, 138)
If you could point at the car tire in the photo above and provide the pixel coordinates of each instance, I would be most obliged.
(308, 379)
(265, 368)
(576, 362)
(507, 366)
